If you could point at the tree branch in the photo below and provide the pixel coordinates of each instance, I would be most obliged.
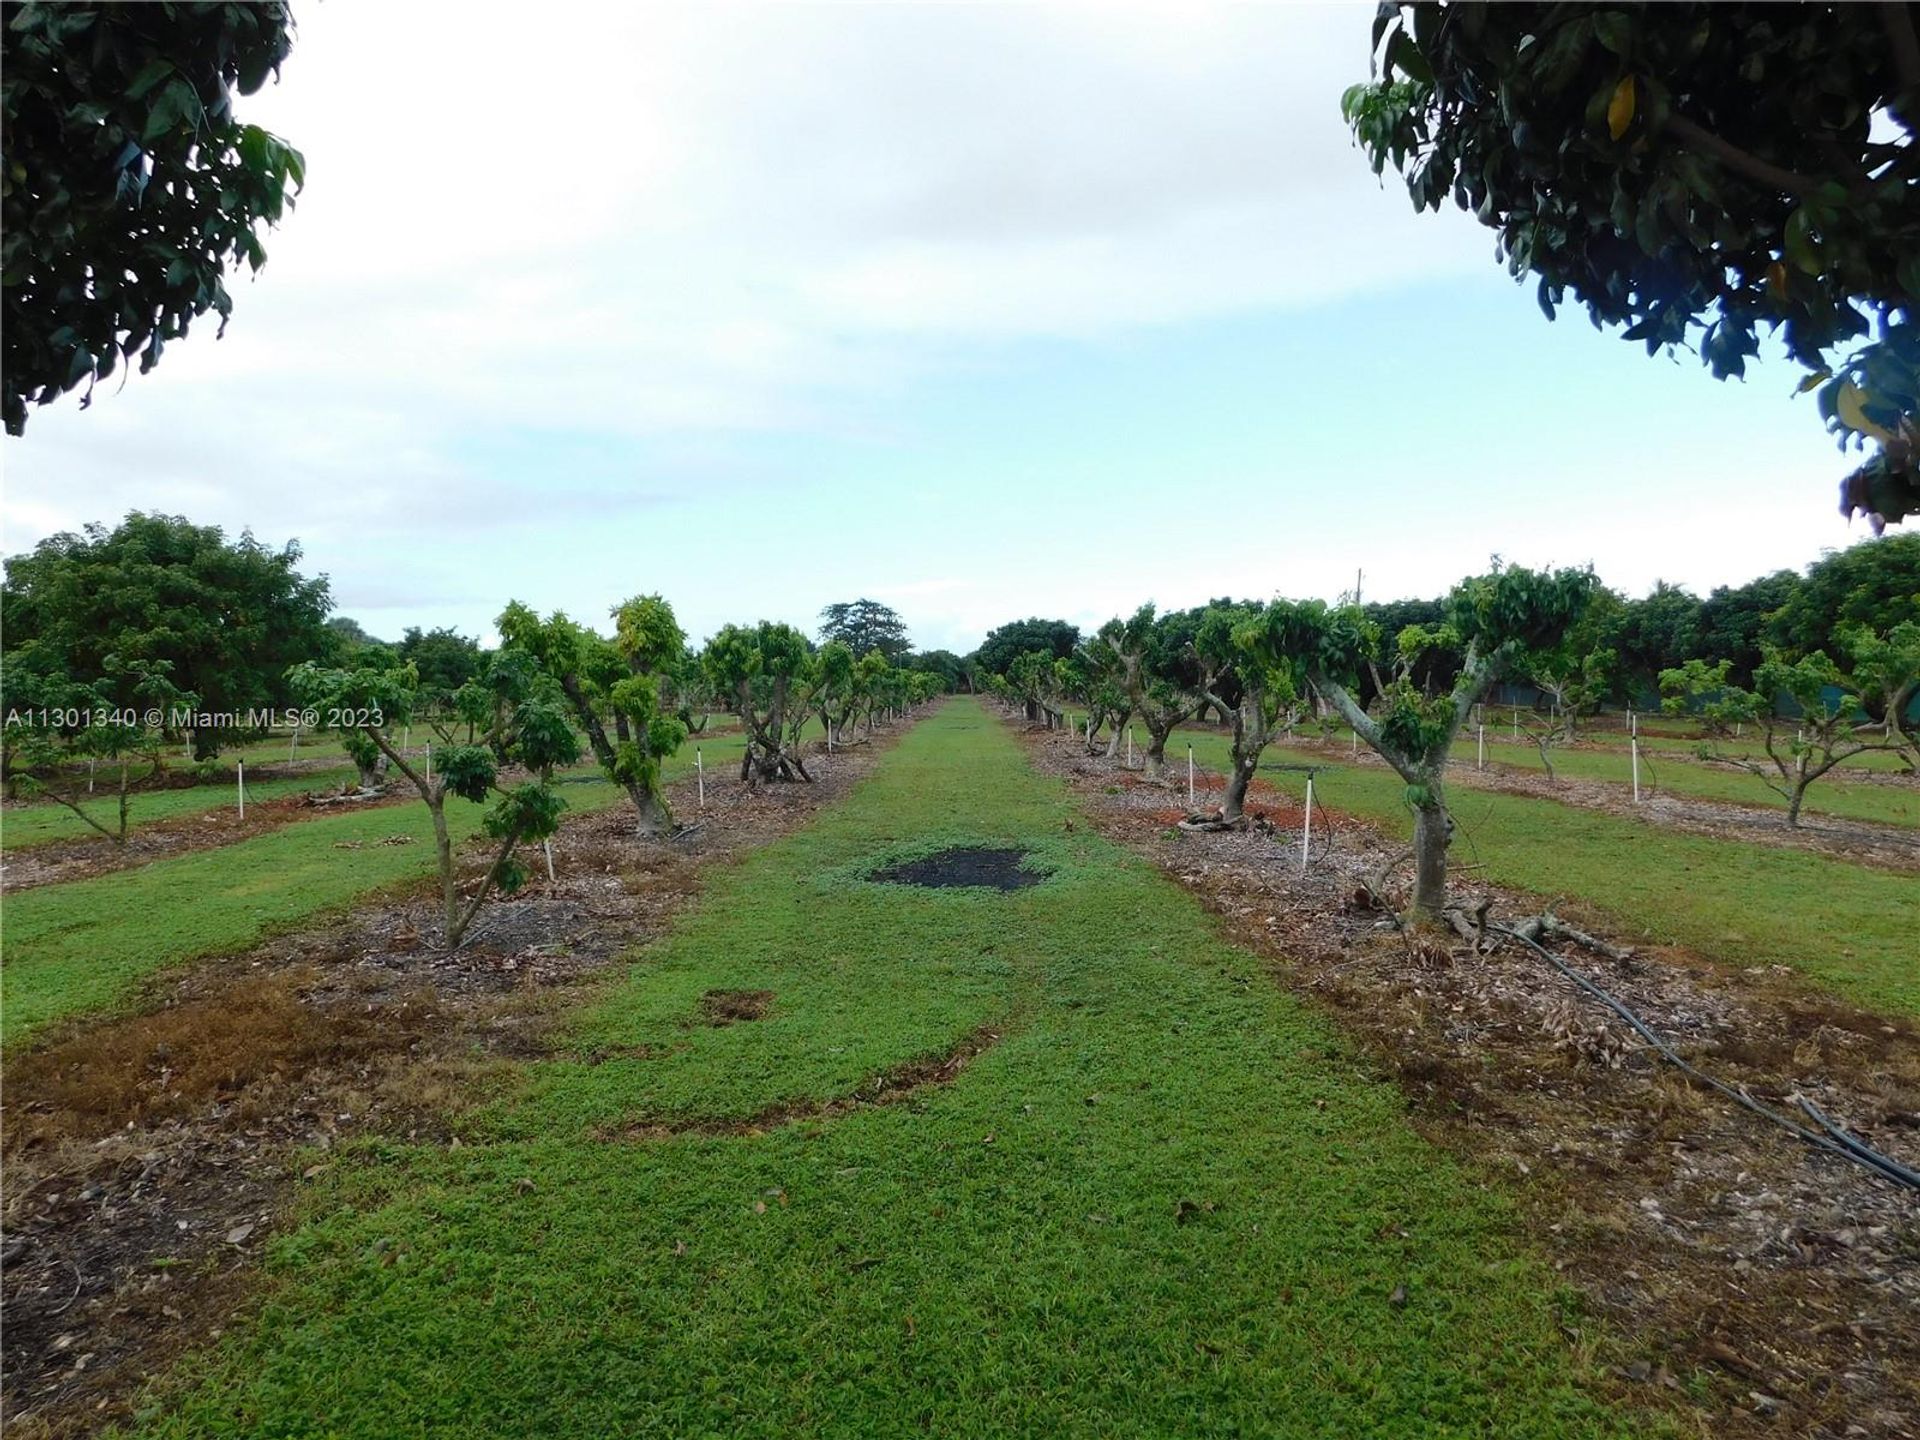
(1894, 14)
(1698, 138)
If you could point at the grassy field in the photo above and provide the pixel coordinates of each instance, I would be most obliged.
(23, 826)
(1166, 1202)
(1830, 795)
(44, 821)
(71, 949)
(1850, 928)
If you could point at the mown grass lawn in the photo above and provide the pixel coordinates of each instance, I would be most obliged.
(1847, 927)
(1167, 1202)
(80, 945)
(44, 821)
(1833, 794)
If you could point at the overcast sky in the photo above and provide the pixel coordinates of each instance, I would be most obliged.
(981, 312)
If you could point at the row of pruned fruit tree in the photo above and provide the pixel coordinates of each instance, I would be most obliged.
(556, 690)
(1262, 668)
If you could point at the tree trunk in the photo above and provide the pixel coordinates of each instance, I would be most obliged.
(1156, 762)
(1233, 807)
(443, 853)
(1793, 803)
(1429, 861)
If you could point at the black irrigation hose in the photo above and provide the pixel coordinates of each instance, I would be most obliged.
(1835, 1141)
(1852, 1142)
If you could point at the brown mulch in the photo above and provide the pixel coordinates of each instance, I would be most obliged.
(150, 1155)
(1725, 1258)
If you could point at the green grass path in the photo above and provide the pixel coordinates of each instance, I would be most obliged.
(1166, 1203)
(81, 945)
(1849, 928)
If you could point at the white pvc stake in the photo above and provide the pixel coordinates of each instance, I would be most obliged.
(429, 760)
(1634, 743)
(1129, 747)
(1189, 777)
(1306, 825)
(240, 784)
(700, 775)
(406, 738)
(1356, 744)
(1633, 722)
(92, 760)
(1516, 722)
(293, 746)
(829, 737)
(1483, 749)
(547, 845)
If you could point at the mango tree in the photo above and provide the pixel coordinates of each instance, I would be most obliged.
(601, 679)
(54, 723)
(1156, 670)
(1032, 679)
(1831, 723)
(1706, 693)
(1886, 677)
(515, 716)
(758, 668)
(1502, 618)
(1239, 675)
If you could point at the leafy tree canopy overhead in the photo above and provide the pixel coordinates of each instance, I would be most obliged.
(866, 625)
(1009, 642)
(1691, 174)
(129, 186)
(223, 619)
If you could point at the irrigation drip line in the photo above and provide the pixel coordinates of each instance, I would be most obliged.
(1835, 1140)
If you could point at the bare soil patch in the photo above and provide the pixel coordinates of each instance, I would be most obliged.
(149, 1155)
(1720, 1251)
(978, 866)
(727, 1007)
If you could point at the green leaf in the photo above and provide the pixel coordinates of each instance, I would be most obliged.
(1613, 30)
(1801, 247)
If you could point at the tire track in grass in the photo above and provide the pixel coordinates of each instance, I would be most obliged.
(1167, 1202)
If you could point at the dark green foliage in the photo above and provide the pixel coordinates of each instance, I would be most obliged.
(1004, 645)
(129, 186)
(444, 659)
(1875, 583)
(221, 620)
(955, 673)
(1734, 620)
(866, 625)
(1691, 174)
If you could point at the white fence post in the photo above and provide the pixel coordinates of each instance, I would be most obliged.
(1306, 826)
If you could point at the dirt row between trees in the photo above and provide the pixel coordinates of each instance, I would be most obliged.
(150, 1156)
(1865, 842)
(1748, 1273)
